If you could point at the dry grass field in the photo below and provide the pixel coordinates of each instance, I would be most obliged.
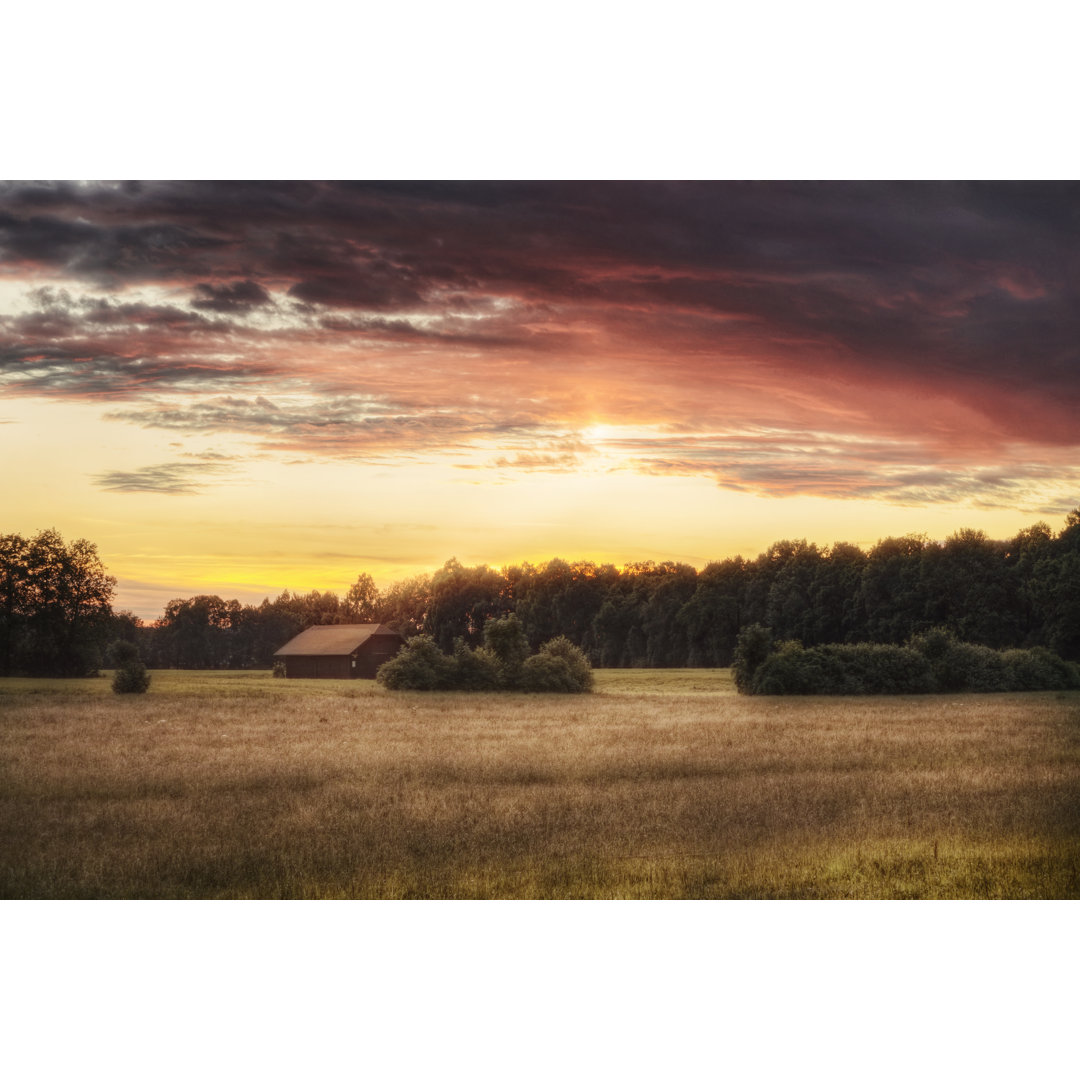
(663, 784)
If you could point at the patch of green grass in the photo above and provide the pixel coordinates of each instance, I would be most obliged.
(664, 681)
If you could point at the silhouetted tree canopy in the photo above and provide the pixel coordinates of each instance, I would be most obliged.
(54, 605)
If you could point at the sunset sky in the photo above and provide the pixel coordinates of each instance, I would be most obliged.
(240, 388)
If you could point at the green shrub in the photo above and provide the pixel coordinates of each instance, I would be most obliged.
(420, 665)
(133, 679)
(843, 669)
(578, 662)
(1039, 669)
(960, 666)
(542, 674)
(886, 669)
(932, 662)
(784, 671)
(131, 676)
(560, 667)
(475, 669)
(502, 664)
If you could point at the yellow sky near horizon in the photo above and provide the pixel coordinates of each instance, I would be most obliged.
(267, 525)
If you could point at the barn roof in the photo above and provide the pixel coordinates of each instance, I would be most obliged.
(332, 640)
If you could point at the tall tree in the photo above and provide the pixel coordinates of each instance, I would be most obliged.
(463, 598)
(55, 601)
(361, 603)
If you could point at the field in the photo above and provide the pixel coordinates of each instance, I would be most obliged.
(662, 784)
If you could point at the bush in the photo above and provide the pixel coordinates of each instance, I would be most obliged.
(576, 659)
(502, 664)
(843, 669)
(560, 667)
(933, 662)
(131, 676)
(889, 669)
(1039, 669)
(475, 669)
(959, 666)
(133, 679)
(788, 670)
(541, 674)
(420, 665)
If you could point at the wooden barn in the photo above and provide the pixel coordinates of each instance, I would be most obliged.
(339, 652)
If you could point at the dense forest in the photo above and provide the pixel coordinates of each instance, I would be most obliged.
(55, 615)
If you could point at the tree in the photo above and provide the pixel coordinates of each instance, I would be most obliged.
(195, 633)
(834, 594)
(463, 599)
(892, 594)
(405, 604)
(795, 566)
(54, 605)
(361, 603)
(721, 605)
(13, 599)
(969, 588)
(505, 639)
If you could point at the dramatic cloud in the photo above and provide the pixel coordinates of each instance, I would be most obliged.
(239, 297)
(383, 319)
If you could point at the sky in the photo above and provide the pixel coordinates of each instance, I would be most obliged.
(237, 388)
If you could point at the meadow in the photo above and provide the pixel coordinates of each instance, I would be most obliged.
(662, 784)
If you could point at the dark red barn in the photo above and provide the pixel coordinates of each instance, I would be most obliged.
(339, 652)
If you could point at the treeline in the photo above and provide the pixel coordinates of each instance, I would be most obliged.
(1016, 593)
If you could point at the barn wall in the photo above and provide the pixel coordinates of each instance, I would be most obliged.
(375, 651)
(317, 667)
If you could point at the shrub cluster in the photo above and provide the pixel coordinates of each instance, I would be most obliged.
(131, 676)
(959, 666)
(502, 663)
(933, 662)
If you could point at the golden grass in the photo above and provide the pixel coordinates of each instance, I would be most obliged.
(239, 785)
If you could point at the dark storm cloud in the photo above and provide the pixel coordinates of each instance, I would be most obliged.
(804, 253)
(240, 296)
(108, 254)
(377, 289)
